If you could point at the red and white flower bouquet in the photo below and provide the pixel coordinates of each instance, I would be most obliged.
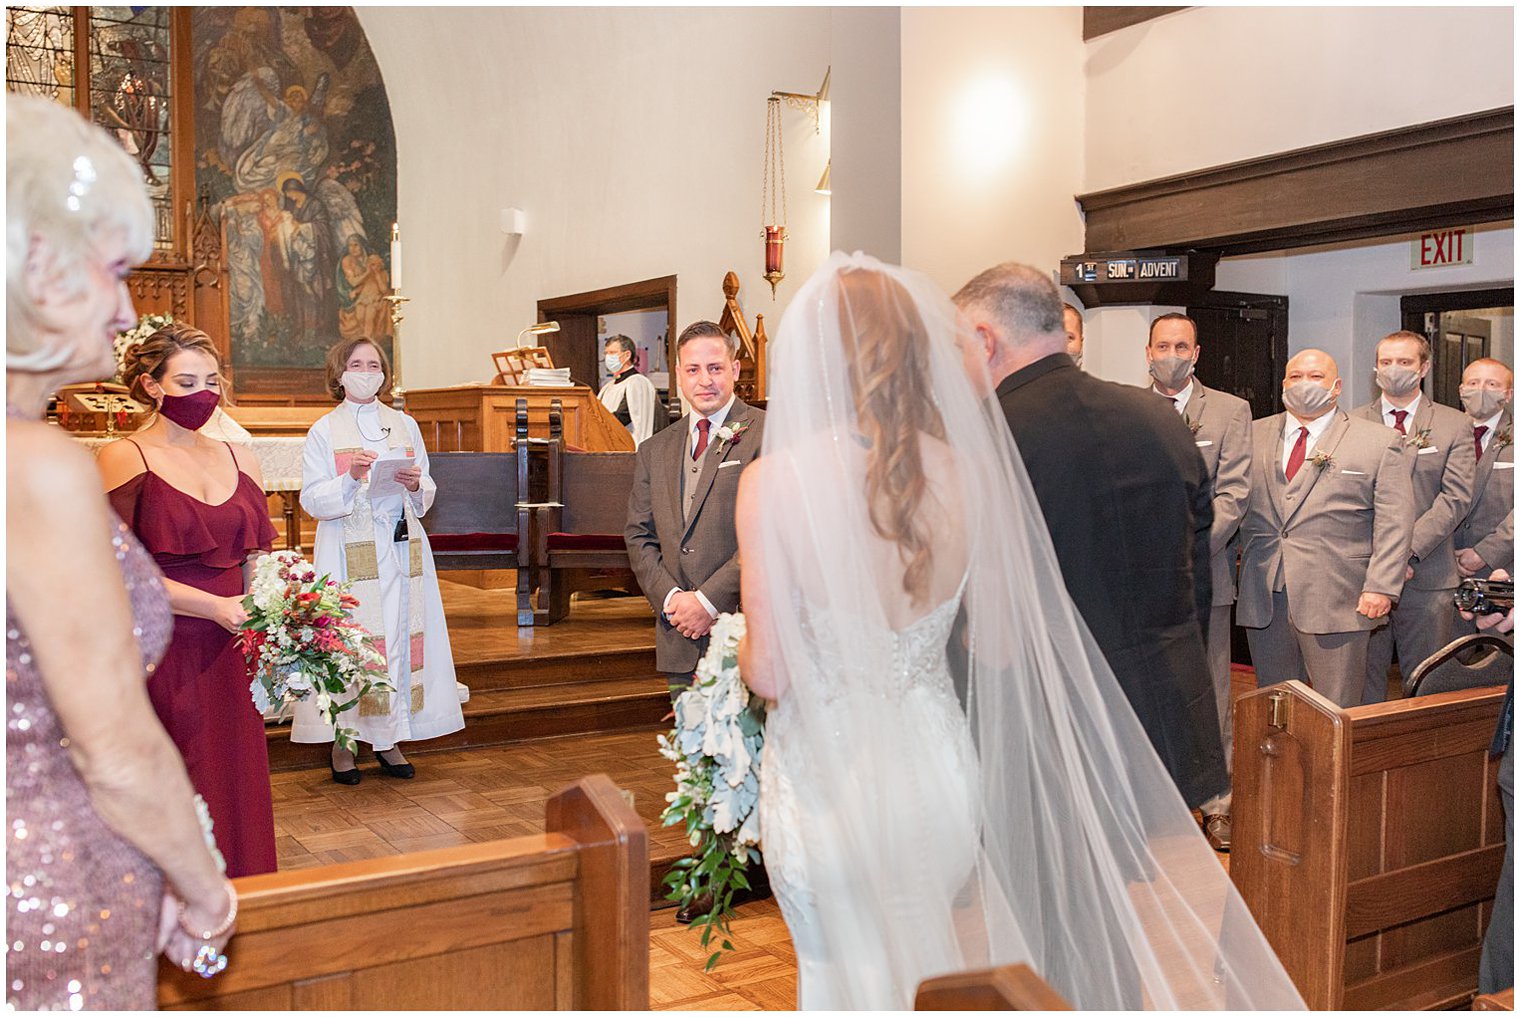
(300, 640)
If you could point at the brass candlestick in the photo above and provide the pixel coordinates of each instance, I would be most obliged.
(395, 299)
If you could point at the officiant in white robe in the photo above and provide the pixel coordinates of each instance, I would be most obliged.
(629, 396)
(394, 579)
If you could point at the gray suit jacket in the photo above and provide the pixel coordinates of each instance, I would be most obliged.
(1489, 527)
(1335, 532)
(1223, 437)
(1440, 443)
(668, 551)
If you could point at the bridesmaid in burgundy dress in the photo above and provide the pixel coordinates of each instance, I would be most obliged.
(106, 864)
(198, 507)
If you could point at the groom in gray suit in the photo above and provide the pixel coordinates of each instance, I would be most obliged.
(1440, 447)
(1325, 538)
(680, 532)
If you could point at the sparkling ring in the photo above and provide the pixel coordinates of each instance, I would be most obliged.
(209, 962)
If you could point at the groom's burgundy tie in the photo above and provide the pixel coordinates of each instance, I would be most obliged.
(1296, 457)
(702, 427)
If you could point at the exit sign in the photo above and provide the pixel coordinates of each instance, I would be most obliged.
(1442, 248)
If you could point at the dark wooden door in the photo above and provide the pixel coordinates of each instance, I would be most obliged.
(1243, 346)
(1456, 339)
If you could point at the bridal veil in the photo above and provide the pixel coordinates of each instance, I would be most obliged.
(1061, 842)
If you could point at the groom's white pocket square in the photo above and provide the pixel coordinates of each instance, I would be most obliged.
(1203, 444)
(724, 466)
(1352, 473)
(1427, 450)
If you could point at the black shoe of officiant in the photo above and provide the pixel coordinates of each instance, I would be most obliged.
(349, 777)
(401, 771)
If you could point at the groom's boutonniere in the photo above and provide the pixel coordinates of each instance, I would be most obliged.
(729, 434)
(1322, 460)
(1192, 425)
(1420, 439)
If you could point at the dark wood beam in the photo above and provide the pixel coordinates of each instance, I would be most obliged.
(1098, 21)
(1453, 172)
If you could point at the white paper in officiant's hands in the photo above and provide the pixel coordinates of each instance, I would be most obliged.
(382, 473)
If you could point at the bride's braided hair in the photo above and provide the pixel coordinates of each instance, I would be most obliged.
(887, 347)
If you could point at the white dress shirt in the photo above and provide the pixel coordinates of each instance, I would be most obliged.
(1317, 429)
(1411, 409)
(717, 417)
(1492, 423)
(1180, 400)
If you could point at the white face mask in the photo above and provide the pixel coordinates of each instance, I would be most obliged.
(361, 386)
(614, 362)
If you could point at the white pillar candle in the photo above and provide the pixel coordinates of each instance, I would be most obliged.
(395, 257)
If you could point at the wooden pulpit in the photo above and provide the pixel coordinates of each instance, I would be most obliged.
(481, 417)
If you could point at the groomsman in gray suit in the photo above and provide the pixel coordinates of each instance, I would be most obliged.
(1221, 428)
(1486, 539)
(680, 532)
(1440, 441)
(1326, 535)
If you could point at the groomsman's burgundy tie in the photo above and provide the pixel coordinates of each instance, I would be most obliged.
(1296, 457)
(1478, 433)
(702, 426)
(1398, 420)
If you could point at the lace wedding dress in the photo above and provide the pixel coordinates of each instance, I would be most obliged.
(931, 773)
(952, 778)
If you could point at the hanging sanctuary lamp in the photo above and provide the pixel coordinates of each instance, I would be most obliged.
(772, 180)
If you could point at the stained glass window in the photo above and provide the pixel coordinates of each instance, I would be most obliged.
(125, 86)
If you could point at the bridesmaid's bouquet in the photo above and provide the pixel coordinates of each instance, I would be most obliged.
(300, 641)
(715, 745)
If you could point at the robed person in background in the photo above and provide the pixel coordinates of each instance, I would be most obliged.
(630, 396)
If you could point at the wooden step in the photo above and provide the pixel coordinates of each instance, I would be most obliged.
(552, 669)
(504, 716)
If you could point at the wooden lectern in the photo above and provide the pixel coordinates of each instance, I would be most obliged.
(480, 417)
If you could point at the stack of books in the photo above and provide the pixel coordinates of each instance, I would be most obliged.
(549, 377)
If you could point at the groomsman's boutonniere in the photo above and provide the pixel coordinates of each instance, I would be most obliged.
(1420, 439)
(1504, 438)
(729, 434)
(1192, 425)
(1322, 460)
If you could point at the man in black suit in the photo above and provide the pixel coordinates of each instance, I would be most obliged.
(1128, 503)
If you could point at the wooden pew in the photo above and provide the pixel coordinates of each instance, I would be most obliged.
(1504, 999)
(577, 531)
(1368, 842)
(1012, 987)
(554, 921)
(480, 516)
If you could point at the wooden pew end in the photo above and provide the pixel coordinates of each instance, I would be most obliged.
(1011, 987)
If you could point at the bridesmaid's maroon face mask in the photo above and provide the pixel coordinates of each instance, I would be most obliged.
(190, 411)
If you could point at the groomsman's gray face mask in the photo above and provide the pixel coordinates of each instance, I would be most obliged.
(1482, 403)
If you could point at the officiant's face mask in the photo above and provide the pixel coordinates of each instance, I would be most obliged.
(361, 386)
(614, 362)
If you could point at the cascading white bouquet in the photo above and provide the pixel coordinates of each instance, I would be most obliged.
(715, 744)
(300, 640)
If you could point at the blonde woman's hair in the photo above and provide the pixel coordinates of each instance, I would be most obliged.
(68, 181)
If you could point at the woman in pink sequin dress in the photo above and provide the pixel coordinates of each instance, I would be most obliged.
(106, 862)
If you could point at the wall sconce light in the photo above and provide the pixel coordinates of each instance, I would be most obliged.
(812, 103)
(514, 222)
(823, 181)
(542, 328)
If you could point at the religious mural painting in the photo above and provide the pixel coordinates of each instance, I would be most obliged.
(295, 146)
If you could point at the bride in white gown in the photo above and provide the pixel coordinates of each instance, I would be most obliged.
(952, 778)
